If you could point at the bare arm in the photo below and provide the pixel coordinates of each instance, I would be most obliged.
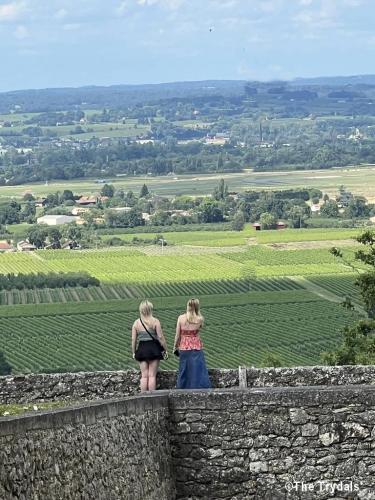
(160, 335)
(178, 334)
(134, 339)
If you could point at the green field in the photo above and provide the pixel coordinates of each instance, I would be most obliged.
(131, 266)
(112, 129)
(359, 180)
(255, 301)
(139, 291)
(195, 238)
(292, 235)
(296, 325)
(237, 238)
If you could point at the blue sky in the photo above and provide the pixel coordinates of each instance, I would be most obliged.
(56, 43)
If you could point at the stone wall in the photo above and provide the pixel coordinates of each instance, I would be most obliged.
(262, 443)
(104, 451)
(104, 385)
(275, 443)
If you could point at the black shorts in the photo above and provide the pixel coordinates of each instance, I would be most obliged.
(147, 350)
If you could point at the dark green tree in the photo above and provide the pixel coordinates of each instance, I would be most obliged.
(357, 207)
(210, 211)
(67, 195)
(268, 220)
(28, 210)
(358, 345)
(238, 222)
(28, 197)
(144, 191)
(357, 348)
(329, 209)
(221, 191)
(54, 235)
(37, 235)
(108, 190)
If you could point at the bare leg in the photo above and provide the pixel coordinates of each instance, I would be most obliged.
(152, 370)
(144, 375)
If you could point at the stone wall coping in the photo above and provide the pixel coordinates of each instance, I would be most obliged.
(86, 413)
(90, 412)
(251, 371)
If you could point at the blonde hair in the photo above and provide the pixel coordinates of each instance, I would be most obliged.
(145, 310)
(193, 314)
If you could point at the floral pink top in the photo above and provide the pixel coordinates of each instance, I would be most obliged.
(190, 340)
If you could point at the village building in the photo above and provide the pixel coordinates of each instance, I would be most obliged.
(87, 201)
(41, 202)
(182, 213)
(25, 246)
(91, 201)
(5, 246)
(121, 209)
(56, 220)
(80, 210)
(217, 140)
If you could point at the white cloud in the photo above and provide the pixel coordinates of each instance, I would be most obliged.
(21, 32)
(61, 14)
(122, 8)
(71, 27)
(168, 4)
(224, 4)
(325, 17)
(28, 52)
(12, 11)
(270, 6)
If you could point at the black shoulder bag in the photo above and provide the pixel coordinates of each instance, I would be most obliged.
(163, 352)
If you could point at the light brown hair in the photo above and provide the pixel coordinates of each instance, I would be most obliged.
(145, 310)
(193, 314)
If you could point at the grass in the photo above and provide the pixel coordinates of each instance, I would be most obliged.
(10, 410)
(195, 238)
(361, 181)
(316, 234)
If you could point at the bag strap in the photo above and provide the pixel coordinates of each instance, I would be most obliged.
(144, 326)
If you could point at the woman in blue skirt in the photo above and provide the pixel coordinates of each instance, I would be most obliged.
(193, 372)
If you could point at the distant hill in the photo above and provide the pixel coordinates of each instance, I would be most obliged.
(113, 96)
(123, 96)
(336, 80)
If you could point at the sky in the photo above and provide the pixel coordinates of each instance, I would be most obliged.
(70, 43)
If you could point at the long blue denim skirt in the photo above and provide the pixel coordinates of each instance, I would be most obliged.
(193, 372)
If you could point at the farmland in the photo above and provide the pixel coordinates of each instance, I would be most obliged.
(253, 299)
(295, 325)
(360, 180)
(131, 266)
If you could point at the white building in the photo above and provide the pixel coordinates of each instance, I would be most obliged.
(25, 246)
(56, 220)
(315, 208)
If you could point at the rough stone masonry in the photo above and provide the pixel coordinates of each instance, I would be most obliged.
(307, 441)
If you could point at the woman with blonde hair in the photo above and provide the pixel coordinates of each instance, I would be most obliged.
(147, 333)
(188, 346)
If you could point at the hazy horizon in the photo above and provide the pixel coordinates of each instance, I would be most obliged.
(94, 85)
(133, 42)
